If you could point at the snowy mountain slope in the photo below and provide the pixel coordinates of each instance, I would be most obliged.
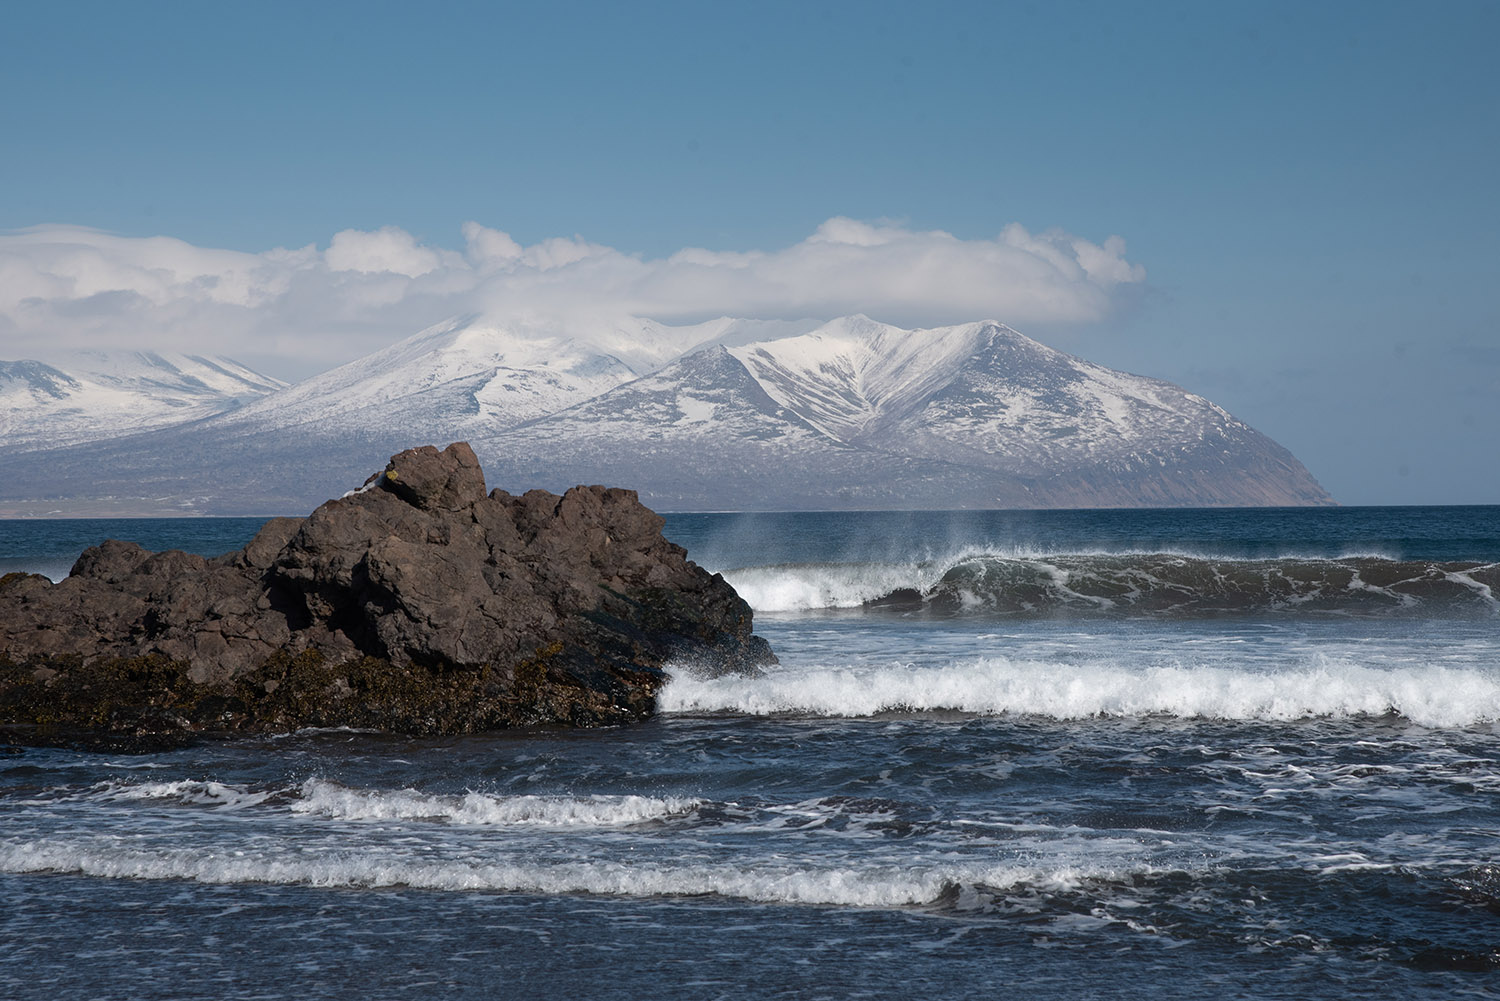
(969, 415)
(844, 375)
(976, 390)
(465, 378)
(703, 434)
(1019, 407)
(470, 376)
(94, 395)
(461, 372)
(1014, 403)
(702, 410)
(723, 415)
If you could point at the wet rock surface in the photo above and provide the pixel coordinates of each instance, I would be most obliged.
(416, 604)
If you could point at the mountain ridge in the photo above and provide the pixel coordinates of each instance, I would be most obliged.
(111, 394)
(1092, 427)
(730, 414)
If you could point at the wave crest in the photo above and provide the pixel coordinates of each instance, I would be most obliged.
(1152, 584)
(1428, 696)
(337, 802)
(841, 885)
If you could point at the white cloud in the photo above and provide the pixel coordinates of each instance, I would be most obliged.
(489, 246)
(294, 312)
(388, 250)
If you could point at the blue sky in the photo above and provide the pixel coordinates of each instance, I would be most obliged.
(1309, 188)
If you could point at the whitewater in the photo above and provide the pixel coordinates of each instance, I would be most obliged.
(1115, 754)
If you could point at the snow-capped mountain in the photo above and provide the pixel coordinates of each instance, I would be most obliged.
(473, 376)
(863, 414)
(92, 395)
(457, 374)
(723, 415)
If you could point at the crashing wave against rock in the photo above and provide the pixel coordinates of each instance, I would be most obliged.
(416, 604)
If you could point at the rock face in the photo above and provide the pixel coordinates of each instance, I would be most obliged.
(416, 604)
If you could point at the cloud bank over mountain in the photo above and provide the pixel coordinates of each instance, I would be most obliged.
(298, 311)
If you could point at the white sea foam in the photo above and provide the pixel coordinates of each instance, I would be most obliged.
(843, 885)
(329, 799)
(187, 791)
(1323, 686)
(1481, 591)
(801, 587)
(794, 587)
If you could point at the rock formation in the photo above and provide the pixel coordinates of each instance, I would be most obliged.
(416, 604)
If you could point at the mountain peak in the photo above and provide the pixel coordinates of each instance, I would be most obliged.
(723, 414)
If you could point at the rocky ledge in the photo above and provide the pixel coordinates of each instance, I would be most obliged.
(417, 604)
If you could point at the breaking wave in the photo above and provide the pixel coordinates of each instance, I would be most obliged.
(1152, 584)
(872, 885)
(1428, 696)
(187, 792)
(330, 800)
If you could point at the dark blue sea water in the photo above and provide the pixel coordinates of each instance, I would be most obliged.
(1170, 754)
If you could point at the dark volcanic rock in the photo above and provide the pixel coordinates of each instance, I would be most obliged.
(417, 604)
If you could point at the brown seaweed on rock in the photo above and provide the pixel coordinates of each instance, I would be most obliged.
(417, 604)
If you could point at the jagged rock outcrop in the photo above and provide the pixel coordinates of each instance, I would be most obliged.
(416, 604)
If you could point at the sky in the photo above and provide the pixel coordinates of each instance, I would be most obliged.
(1289, 208)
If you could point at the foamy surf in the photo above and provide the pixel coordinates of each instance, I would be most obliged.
(319, 797)
(887, 886)
(1323, 687)
(219, 795)
(908, 851)
(328, 800)
(812, 586)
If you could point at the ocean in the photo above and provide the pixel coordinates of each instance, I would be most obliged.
(1073, 754)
